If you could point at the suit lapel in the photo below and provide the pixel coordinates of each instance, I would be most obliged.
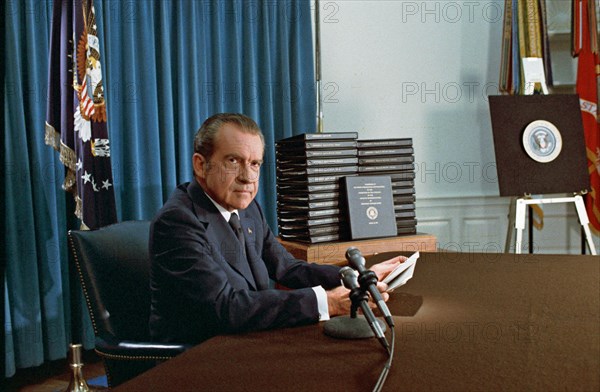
(259, 269)
(221, 234)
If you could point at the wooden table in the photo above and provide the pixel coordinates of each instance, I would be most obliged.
(464, 322)
(334, 252)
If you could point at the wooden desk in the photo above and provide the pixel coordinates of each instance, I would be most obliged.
(464, 322)
(335, 252)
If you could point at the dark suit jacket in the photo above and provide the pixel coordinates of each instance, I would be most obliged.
(202, 285)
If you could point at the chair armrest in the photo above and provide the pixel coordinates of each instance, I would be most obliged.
(124, 349)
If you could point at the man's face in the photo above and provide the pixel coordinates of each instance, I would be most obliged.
(231, 176)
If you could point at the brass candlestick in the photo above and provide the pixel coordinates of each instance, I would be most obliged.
(78, 383)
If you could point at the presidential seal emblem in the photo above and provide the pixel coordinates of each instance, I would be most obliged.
(542, 141)
(372, 213)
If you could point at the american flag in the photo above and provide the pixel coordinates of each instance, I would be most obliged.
(76, 114)
(585, 47)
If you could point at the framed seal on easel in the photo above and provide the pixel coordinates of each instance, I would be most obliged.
(539, 144)
(540, 150)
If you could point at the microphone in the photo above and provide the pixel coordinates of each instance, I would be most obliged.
(350, 282)
(368, 281)
(348, 276)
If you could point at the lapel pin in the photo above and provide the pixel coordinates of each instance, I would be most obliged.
(249, 230)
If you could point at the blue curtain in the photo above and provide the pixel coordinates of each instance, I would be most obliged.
(36, 279)
(171, 64)
(167, 66)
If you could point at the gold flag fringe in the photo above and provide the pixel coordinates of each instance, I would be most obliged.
(68, 158)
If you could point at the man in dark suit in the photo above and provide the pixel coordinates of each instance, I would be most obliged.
(205, 279)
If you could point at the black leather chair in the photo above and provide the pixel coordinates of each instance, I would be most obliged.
(113, 264)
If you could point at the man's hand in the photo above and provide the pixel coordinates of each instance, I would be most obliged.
(338, 299)
(339, 302)
(384, 268)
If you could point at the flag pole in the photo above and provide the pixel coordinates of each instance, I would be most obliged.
(318, 66)
(78, 383)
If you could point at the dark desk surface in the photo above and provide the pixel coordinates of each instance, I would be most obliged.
(466, 321)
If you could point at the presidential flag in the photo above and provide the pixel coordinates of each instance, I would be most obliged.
(585, 47)
(76, 114)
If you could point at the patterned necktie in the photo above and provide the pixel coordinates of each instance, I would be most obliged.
(234, 222)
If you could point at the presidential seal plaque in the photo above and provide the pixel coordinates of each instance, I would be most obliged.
(539, 144)
(370, 206)
(542, 141)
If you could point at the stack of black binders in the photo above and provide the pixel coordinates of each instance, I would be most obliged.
(393, 158)
(309, 168)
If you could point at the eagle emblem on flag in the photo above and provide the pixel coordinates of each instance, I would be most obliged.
(91, 90)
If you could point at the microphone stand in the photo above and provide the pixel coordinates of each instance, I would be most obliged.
(357, 295)
(365, 326)
(353, 326)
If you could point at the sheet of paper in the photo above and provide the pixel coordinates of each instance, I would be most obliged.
(402, 273)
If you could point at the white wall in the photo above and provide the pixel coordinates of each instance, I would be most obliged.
(424, 69)
(419, 69)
